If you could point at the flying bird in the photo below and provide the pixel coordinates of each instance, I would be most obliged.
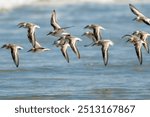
(38, 48)
(73, 44)
(91, 36)
(63, 45)
(96, 30)
(142, 35)
(58, 31)
(105, 47)
(139, 16)
(31, 31)
(137, 42)
(14, 52)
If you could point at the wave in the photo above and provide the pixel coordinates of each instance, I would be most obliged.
(9, 4)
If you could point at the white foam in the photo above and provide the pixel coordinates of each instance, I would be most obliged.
(64, 2)
(9, 4)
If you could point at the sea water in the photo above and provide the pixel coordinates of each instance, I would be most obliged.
(47, 75)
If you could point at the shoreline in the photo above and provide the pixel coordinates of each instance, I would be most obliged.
(6, 5)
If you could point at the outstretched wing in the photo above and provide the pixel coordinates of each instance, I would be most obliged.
(146, 45)
(105, 55)
(31, 36)
(15, 56)
(64, 52)
(135, 11)
(138, 52)
(54, 22)
(75, 49)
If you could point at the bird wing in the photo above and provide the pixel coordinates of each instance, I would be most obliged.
(64, 52)
(146, 20)
(97, 34)
(105, 54)
(135, 11)
(138, 52)
(37, 45)
(31, 36)
(15, 56)
(146, 45)
(74, 48)
(54, 22)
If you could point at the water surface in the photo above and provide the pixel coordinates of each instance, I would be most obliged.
(48, 76)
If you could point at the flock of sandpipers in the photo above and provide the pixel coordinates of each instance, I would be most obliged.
(65, 39)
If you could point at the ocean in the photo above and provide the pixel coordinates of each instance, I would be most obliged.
(47, 75)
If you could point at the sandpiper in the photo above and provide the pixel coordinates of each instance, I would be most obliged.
(38, 48)
(63, 45)
(143, 36)
(58, 31)
(137, 42)
(14, 52)
(31, 31)
(105, 43)
(90, 35)
(72, 42)
(96, 30)
(140, 17)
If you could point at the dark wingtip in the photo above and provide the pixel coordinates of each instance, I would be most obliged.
(54, 11)
(130, 5)
(79, 57)
(105, 64)
(67, 61)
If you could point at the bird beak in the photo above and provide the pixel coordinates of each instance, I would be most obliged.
(86, 27)
(20, 25)
(3, 46)
(93, 44)
(29, 50)
(49, 33)
(126, 36)
(83, 34)
(128, 40)
(134, 19)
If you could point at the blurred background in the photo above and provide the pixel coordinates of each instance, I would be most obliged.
(48, 76)
(8, 4)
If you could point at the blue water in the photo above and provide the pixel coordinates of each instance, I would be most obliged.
(48, 76)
